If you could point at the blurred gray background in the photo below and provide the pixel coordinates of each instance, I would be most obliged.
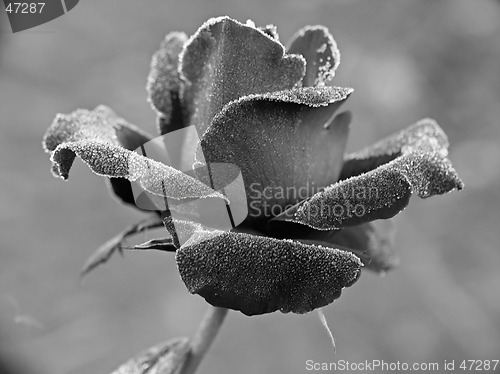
(406, 60)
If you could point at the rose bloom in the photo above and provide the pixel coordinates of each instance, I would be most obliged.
(315, 215)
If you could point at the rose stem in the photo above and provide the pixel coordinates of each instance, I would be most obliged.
(203, 338)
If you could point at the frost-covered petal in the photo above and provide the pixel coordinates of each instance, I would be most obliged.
(271, 30)
(287, 144)
(319, 49)
(92, 136)
(419, 165)
(257, 275)
(108, 160)
(101, 123)
(163, 84)
(225, 60)
(424, 136)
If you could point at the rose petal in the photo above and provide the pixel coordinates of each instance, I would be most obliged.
(164, 358)
(92, 136)
(257, 275)
(419, 165)
(225, 60)
(113, 161)
(319, 49)
(271, 30)
(163, 83)
(287, 144)
(425, 136)
(100, 123)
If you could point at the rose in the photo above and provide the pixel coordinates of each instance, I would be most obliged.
(271, 112)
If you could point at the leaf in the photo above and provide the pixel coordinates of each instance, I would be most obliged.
(225, 60)
(92, 136)
(257, 275)
(164, 358)
(418, 165)
(319, 49)
(115, 244)
(287, 144)
(164, 83)
(163, 244)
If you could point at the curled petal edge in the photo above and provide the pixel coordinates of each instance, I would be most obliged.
(384, 178)
(109, 160)
(258, 275)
